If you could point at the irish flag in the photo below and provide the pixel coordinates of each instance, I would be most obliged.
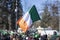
(26, 20)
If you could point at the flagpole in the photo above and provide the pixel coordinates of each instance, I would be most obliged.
(16, 9)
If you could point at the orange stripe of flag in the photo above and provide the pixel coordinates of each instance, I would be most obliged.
(23, 25)
(18, 20)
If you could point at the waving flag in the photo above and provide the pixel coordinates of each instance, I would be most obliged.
(26, 21)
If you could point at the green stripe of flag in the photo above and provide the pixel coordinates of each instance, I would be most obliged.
(34, 14)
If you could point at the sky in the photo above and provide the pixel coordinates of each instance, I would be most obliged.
(27, 4)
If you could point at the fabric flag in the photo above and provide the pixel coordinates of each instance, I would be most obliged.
(26, 20)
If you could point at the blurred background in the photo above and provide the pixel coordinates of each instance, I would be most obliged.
(12, 10)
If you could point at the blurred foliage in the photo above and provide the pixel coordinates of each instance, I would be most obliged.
(50, 18)
(7, 7)
(46, 18)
